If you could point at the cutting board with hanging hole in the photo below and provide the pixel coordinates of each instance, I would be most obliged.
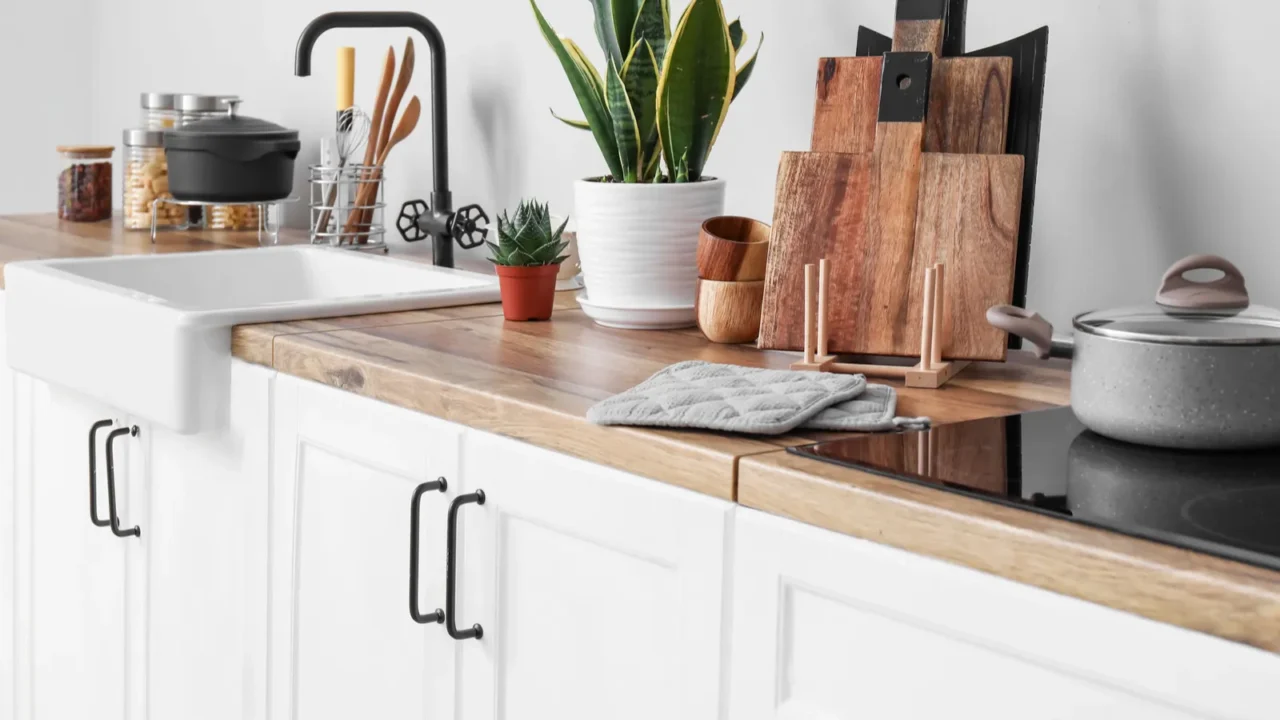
(880, 209)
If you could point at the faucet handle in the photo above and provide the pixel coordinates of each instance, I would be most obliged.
(470, 226)
(410, 213)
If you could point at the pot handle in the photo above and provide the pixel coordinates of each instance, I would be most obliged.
(1030, 327)
(1226, 293)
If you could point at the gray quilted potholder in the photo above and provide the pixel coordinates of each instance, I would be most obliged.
(875, 410)
(709, 396)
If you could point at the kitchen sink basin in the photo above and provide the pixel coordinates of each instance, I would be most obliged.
(151, 334)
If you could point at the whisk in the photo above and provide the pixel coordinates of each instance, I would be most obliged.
(352, 133)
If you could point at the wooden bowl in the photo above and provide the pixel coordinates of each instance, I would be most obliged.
(733, 248)
(729, 312)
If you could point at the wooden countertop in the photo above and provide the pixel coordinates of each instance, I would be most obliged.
(44, 236)
(534, 382)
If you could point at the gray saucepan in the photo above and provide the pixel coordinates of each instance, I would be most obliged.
(1198, 370)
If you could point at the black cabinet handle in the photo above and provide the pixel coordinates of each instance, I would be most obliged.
(93, 472)
(414, 513)
(111, 483)
(451, 570)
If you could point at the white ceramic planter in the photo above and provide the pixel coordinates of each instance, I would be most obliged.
(639, 242)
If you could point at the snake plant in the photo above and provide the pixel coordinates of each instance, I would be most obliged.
(663, 95)
(528, 240)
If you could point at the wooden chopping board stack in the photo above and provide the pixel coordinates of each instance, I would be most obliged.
(905, 170)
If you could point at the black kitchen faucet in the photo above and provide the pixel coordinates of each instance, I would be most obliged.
(468, 226)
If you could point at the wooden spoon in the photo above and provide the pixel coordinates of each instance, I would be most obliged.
(368, 191)
(389, 116)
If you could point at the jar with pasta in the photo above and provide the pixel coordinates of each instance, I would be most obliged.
(159, 111)
(233, 217)
(146, 179)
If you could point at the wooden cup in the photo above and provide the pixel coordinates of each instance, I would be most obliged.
(729, 312)
(733, 248)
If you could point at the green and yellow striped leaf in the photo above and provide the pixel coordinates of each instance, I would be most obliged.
(695, 88)
(653, 24)
(744, 72)
(625, 128)
(588, 89)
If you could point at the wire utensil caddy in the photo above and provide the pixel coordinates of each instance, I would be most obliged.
(347, 206)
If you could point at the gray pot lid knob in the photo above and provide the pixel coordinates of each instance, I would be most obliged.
(1226, 293)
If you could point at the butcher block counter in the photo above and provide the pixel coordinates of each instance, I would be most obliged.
(535, 381)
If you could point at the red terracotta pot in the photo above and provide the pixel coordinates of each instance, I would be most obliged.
(528, 293)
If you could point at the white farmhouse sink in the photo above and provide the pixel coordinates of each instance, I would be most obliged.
(151, 334)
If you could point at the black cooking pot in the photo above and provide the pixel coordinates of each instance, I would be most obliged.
(231, 159)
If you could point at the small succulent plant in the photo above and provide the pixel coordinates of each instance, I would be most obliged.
(527, 240)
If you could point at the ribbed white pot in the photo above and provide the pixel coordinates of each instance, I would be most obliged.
(639, 242)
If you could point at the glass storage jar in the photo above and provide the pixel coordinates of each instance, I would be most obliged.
(85, 182)
(146, 178)
(159, 111)
(233, 217)
(194, 108)
(84, 185)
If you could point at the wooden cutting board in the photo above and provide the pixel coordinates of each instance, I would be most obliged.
(856, 210)
(967, 219)
(968, 105)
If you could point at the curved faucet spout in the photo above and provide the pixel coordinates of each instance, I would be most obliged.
(441, 199)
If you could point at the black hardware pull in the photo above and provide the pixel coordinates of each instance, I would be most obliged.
(414, 513)
(111, 483)
(93, 473)
(451, 570)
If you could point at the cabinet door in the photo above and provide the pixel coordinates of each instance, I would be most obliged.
(599, 593)
(342, 642)
(830, 626)
(78, 646)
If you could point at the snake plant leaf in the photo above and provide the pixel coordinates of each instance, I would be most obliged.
(744, 72)
(625, 129)
(653, 24)
(695, 88)
(614, 20)
(579, 124)
(586, 88)
(585, 66)
(737, 35)
(640, 78)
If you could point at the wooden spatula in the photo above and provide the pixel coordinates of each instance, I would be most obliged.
(369, 191)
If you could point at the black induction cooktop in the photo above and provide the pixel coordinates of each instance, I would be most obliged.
(1225, 504)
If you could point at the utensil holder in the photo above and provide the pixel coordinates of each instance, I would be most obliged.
(340, 216)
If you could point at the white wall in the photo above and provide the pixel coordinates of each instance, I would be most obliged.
(1158, 136)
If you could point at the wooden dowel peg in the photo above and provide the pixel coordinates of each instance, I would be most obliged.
(926, 325)
(809, 312)
(939, 318)
(824, 285)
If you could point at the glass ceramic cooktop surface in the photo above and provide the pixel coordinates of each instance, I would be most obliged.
(1226, 504)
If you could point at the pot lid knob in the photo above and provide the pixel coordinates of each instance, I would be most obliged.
(1226, 293)
(233, 106)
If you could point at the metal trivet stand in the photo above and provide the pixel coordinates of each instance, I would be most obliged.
(268, 231)
(347, 207)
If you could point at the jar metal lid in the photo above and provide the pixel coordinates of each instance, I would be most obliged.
(157, 101)
(198, 103)
(139, 137)
(86, 152)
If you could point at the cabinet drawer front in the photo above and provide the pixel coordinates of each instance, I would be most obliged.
(826, 625)
(600, 593)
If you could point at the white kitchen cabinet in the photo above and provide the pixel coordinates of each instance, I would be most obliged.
(342, 642)
(830, 626)
(599, 593)
(78, 636)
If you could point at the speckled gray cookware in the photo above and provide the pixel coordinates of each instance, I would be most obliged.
(1200, 369)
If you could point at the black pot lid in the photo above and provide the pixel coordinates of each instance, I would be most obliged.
(234, 125)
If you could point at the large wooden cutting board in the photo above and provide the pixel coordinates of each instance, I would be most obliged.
(820, 211)
(967, 218)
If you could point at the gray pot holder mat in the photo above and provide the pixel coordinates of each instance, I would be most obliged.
(708, 396)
